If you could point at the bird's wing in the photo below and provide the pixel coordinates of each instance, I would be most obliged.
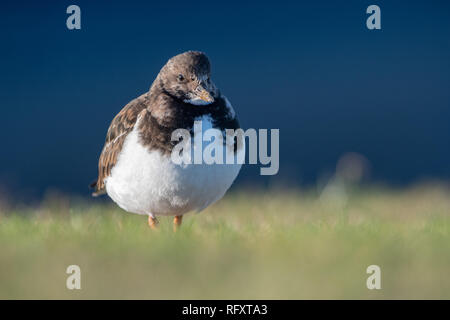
(120, 127)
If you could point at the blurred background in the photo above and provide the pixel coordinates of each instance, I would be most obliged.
(343, 96)
(364, 150)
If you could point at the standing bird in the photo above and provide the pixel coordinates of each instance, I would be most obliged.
(135, 167)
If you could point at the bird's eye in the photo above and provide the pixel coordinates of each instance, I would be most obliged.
(180, 77)
(192, 77)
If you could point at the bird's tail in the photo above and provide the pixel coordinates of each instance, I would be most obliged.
(96, 193)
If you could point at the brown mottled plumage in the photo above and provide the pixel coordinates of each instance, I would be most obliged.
(163, 109)
(122, 124)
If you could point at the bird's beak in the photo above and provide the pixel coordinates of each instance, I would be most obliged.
(205, 96)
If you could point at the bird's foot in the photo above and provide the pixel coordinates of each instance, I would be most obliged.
(153, 222)
(177, 223)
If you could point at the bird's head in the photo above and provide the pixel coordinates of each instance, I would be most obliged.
(187, 77)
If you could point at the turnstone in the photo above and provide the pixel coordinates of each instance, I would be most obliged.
(135, 166)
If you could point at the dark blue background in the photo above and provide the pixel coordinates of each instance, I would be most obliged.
(312, 70)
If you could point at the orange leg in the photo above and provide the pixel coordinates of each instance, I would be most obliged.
(153, 222)
(177, 222)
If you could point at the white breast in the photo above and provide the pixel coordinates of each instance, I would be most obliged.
(148, 182)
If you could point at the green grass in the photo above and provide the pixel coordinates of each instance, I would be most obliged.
(250, 245)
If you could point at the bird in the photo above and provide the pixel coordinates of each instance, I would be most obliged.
(135, 167)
